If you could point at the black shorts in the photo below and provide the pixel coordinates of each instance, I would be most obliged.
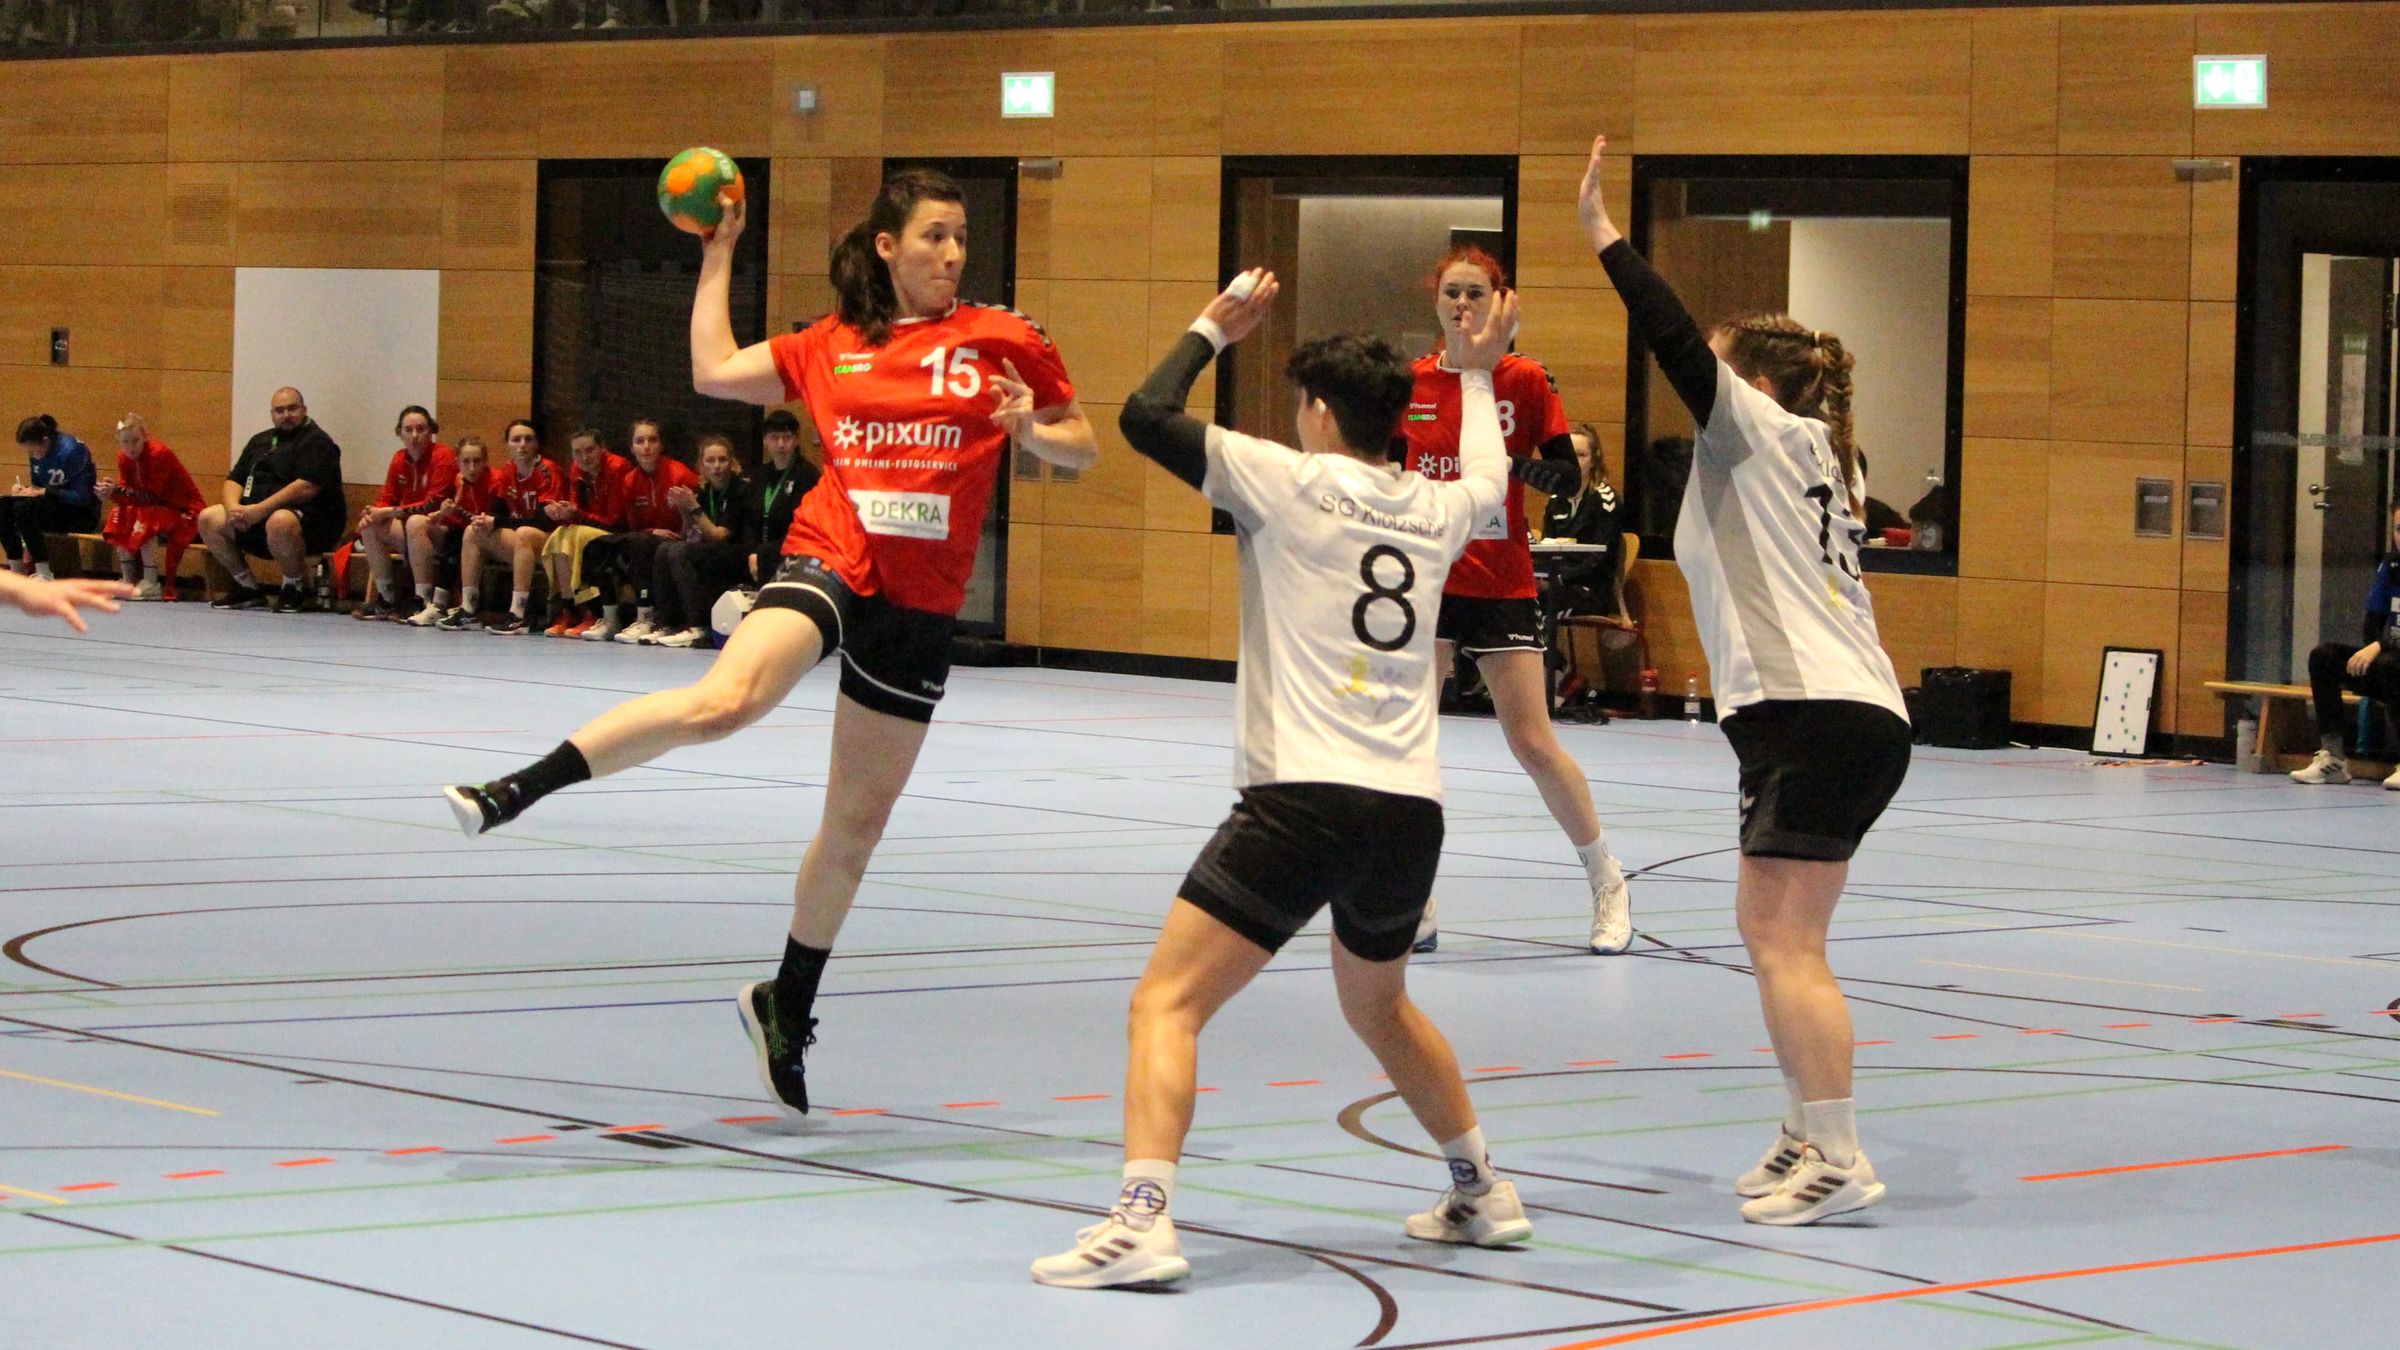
(1815, 774)
(1290, 849)
(318, 534)
(894, 660)
(1479, 626)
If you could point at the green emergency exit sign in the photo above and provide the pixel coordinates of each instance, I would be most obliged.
(1027, 93)
(2229, 81)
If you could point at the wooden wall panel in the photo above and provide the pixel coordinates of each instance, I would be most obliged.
(86, 400)
(1112, 493)
(1090, 578)
(802, 212)
(1917, 618)
(959, 113)
(1666, 617)
(118, 221)
(610, 100)
(2000, 628)
(2015, 91)
(339, 215)
(111, 314)
(1175, 596)
(798, 300)
(2329, 81)
(492, 102)
(2091, 515)
(196, 319)
(2008, 368)
(204, 108)
(2206, 562)
(2201, 658)
(1553, 248)
(1191, 62)
(2216, 247)
(200, 220)
(1185, 198)
(1104, 92)
(2117, 370)
(347, 104)
(1580, 336)
(1728, 84)
(2078, 621)
(105, 111)
(1023, 622)
(847, 73)
(1576, 80)
(487, 326)
(488, 211)
(1100, 220)
(1101, 329)
(2125, 83)
(2011, 207)
(480, 405)
(2208, 398)
(1361, 90)
(1224, 598)
(192, 413)
(2004, 509)
(2124, 229)
(1170, 504)
(1173, 306)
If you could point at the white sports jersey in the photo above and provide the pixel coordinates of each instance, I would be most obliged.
(1342, 570)
(1769, 547)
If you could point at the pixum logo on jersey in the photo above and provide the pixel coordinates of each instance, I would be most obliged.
(910, 515)
(852, 434)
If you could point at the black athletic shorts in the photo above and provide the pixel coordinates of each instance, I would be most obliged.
(1478, 626)
(1290, 849)
(317, 535)
(894, 660)
(1815, 774)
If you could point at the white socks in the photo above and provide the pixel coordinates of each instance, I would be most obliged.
(1795, 1121)
(641, 614)
(1470, 1165)
(1149, 1188)
(1833, 1128)
(248, 581)
(424, 595)
(1594, 855)
(471, 599)
(516, 602)
(42, 570)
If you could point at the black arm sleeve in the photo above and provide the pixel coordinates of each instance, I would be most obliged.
(1554, 473)
(1154, 421)
(1675, 340)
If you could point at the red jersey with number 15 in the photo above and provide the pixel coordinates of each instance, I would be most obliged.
(911, 450)
(1497, 565)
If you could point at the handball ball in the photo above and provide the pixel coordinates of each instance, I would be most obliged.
(688, 188)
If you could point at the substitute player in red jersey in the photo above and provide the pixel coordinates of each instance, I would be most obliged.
(919, 399)
(153, 510)
(1488, 607)
(423, 472)
(593, 510)
(625, 560)
(433, 533)
(516, 526)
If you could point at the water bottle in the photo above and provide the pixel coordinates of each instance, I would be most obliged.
(1691, 699)
(1648, 707)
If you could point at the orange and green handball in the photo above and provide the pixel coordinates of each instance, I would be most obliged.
(690, 184)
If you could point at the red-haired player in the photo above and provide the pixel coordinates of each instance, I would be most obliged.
(153, 510)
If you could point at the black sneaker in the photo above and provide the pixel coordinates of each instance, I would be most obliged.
(507, 625)
(240, 597)
(480, 810)
(296, 600)
(456, 621)
(375, 607)
(779, 1057)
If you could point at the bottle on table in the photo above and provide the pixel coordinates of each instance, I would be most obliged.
(1691, 699)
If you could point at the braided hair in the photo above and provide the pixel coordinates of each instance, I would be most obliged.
(1809, 372)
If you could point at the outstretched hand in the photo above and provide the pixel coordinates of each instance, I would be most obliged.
(1483, 348)
(61, 599)
(1588, 203)
(1243, 305)
(1013, 405)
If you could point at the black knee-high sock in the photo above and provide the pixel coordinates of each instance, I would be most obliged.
(796, 983)
(563, 767)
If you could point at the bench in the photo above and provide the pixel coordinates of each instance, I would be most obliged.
(2285, 739)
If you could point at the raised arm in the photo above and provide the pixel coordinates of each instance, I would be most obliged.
(1665, 325)
(1482, 451)
(1153, 418)
(721, 366)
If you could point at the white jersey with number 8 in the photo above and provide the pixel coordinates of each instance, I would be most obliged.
(1342, 565)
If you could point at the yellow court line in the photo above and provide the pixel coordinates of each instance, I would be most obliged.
(103, 1092)
(2054, 975)
(19, 1190)
(2222, 951)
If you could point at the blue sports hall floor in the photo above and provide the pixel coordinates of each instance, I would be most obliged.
(286, 1061)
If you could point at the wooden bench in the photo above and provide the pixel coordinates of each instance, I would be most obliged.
(2285, 738)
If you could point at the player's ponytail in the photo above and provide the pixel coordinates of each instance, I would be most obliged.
(862, 281)
(1809, 371)
(40, 429)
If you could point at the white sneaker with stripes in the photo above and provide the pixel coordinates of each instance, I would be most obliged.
(1113, 1254)
(1773, 1168)
(1815, 1190)
(1495, 1218)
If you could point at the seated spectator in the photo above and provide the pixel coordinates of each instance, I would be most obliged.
(594, 509)
(433, 534)
(153, 511)
(422, 475)
(517, 525)
(283, 500)
(1588, 516)
(626, 561)
(712, 556)
(781, 482)
(59, 499)
(2371, 671)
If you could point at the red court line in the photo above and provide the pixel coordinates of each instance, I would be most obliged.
(2314, 1014)
(2041, 1031)
(1297, 1082)
(89, 1186)
(1964, 1286)
(742, 1120)
(1695, 1054)
(1587, 1063)
(527, 1139)
(1762, 1049)
(1864, 1043)
(194, 1176)
(878, 1110)
(1499, 1068)
(2187, 1162)
(1203, 1089)
(1960, 1036)
(965, 1106)
(2211, 1021)
(1083, 1097)
(2123, 1026)
(303, 1162)
(632, 1129)
(406, 1152)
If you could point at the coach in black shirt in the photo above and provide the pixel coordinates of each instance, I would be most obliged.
(282, 500)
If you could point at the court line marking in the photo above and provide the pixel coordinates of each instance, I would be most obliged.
(104, 1092)
(37, 1195)
(1968, 1286)
(2221, 951)
(2055, 975)
(2186, 1162)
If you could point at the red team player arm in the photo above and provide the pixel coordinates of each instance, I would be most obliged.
(1037, 407)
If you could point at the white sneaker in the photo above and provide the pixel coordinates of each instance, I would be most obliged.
(637, 633)
(607, 628)
(2327, 767)
(1114, 1253)
(149, 590)
(2392, 784)
(1612, 908)
(1495, 1218)
(685, 637)
(1771, 1169)
(1816, 1189)
(428, 614)
(1429, 930)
